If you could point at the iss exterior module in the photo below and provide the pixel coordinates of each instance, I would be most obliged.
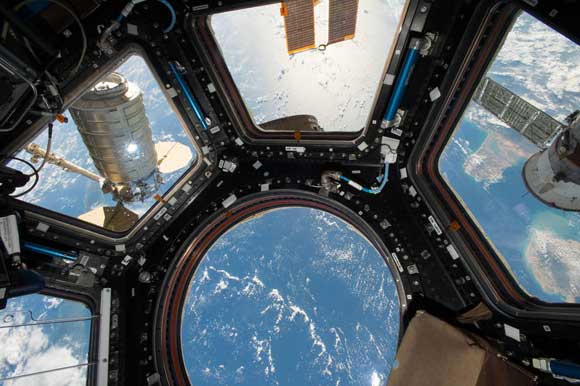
(553, 175)
(112, 121)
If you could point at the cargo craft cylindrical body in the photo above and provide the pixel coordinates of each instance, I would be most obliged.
(553, 174)
(112, 121)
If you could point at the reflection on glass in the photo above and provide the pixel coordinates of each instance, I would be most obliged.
(335, 87)
(539, 244)
(292, 297)
(31, 344)
(122, 146)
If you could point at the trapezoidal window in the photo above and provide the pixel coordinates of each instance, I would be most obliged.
(309, 65)
(45, 341)
(115, 151)
(293, 296)
(516, 114)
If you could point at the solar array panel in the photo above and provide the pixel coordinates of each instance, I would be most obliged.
(342, 20)
(515, 112)
(299, 24)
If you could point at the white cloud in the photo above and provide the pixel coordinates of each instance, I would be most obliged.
(554, 262)
(30, 349)
(541, 65)
(51, 358)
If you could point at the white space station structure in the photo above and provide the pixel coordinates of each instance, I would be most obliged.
(553, 173)
(112, 121)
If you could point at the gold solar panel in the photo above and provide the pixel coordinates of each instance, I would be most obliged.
(299, 24)
(342, 20)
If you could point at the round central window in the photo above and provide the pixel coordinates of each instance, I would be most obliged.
(294, 296)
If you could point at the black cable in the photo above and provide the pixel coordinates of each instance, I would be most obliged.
(34, 173)
(48, 148)
(27, 30)
(78, 22)
(34, 56)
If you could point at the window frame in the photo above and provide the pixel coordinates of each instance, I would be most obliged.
(167, 323)
(88, 300)
(201, 35)
(490, 25)
(74, 224)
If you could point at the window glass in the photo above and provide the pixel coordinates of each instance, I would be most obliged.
(484, 159)
(37, 335)
(123, 145)
(335, 85)
(294, 296)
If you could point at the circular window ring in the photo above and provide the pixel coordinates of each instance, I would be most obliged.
(167, 338)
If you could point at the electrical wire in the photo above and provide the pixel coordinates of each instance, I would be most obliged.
(29, 47)
(369, 190)
(129, 8)
(16, 71)
(103, 42)
(34, 173)
(173, 16)
(4, 32)
(77, 20)
(48, 146)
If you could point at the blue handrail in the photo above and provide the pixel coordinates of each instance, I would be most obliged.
(565, 369)
(47, 251)
(402, 81)
(192, 102)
